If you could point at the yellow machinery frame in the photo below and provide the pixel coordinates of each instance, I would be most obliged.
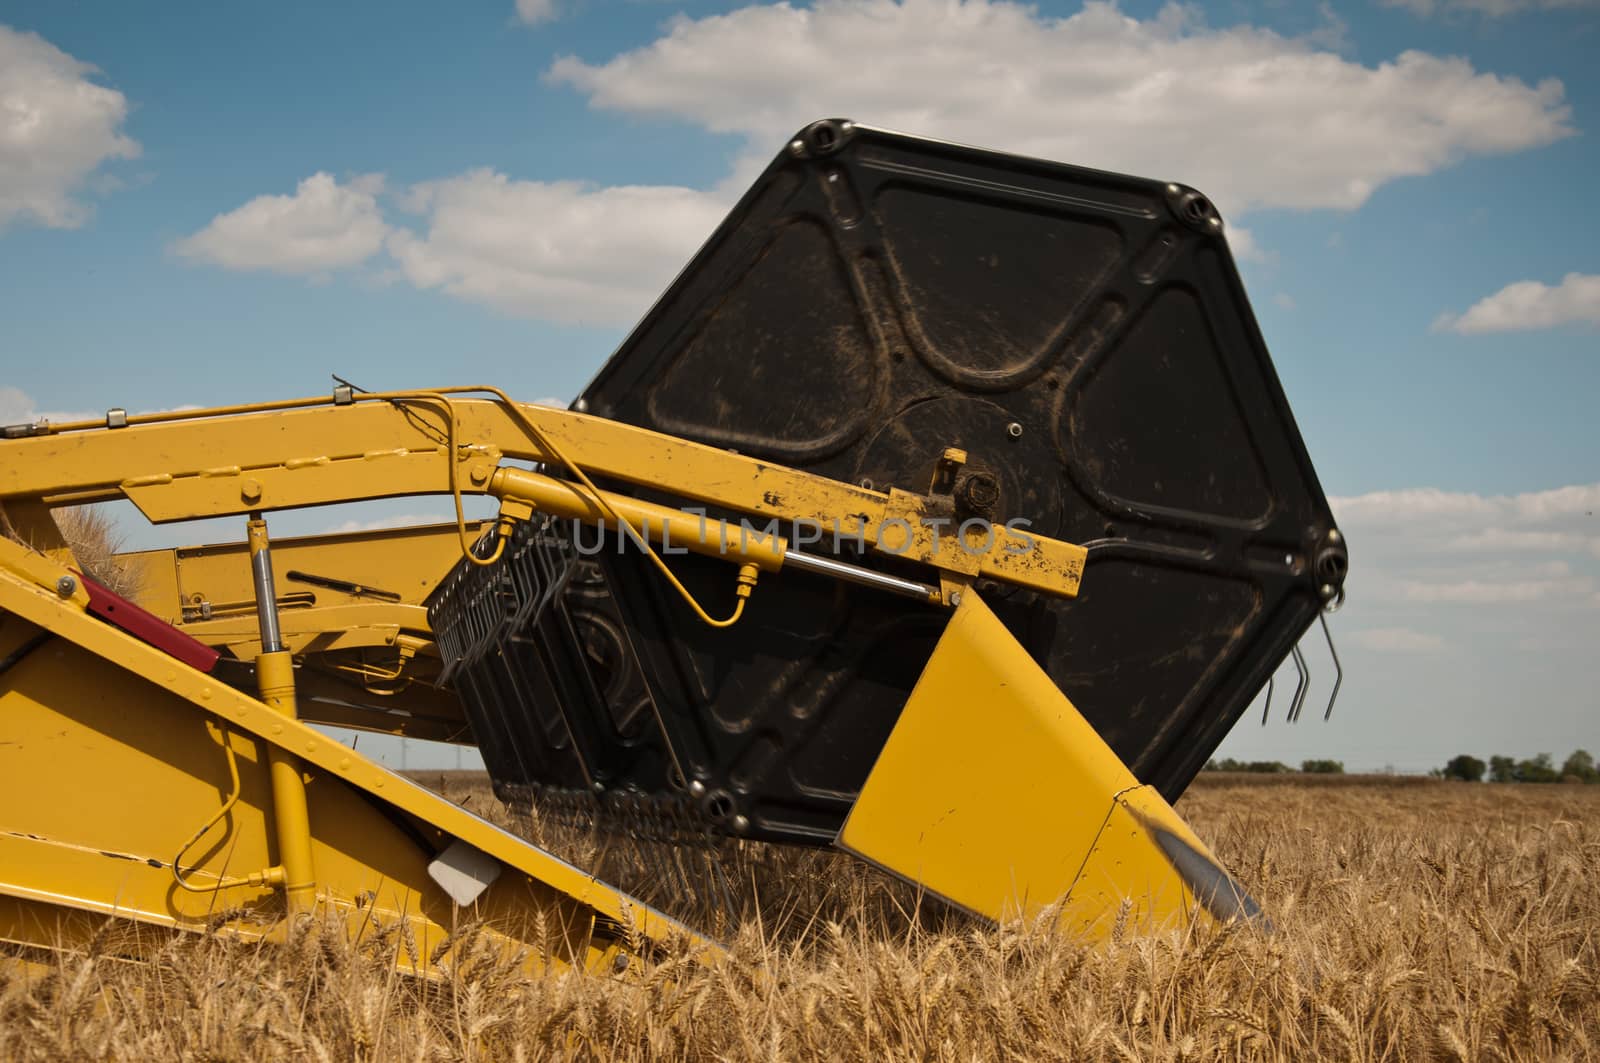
(112, 752)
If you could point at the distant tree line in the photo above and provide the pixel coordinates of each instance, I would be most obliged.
(1579, 767)
(1276, 767)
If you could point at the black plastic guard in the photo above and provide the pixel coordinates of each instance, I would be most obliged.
(875, 298)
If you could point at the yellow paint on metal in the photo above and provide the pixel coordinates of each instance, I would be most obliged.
(290, 820)
(350, 609)
(315, 628)
(660, 525)
(1127, 878)
(188, 584)
(995, 793)
(333, 460)
(112, 754)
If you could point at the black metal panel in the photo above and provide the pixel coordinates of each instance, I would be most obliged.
(875, 298)
(541, 660)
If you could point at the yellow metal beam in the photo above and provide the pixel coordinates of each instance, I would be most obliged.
(221, 462)
(317, 629)
(115, 753)
(996, 794)
(393, 566)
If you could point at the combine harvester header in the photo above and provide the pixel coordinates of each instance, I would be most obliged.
(946, 508)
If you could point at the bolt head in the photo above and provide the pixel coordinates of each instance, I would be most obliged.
(977, 493)
(1014, 430)
(66, 586)
(741, 824)
(697, 788)
(1334, 536)
(250, 491)
(955, 597)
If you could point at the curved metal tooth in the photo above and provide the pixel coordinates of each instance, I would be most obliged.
(1302, 686)
(1338, 669)
(1266, 709)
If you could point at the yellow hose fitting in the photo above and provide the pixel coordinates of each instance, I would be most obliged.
(513, 511)
(747, 580)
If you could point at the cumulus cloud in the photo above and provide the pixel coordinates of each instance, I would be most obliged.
(563, 251)
(1448, 548)
(323, 226)
(1530, 305)
(1251, 117)
(533, 12)
(1506, 540)
(18, 407)
(1465, 509)
(1254, 118)
(56, 128)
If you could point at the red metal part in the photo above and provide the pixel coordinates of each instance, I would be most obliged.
(145, 626)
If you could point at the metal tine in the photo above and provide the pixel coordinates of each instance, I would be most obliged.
(1302, 686)
(1267, 708)
(1338, 669)
(730, 853)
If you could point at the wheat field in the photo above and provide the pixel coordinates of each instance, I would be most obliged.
(1414, 920)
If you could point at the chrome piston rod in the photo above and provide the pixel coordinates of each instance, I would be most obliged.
(864, 577)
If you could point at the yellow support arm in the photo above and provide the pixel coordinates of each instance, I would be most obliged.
(307, 452)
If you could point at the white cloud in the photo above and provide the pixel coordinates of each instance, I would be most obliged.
(1494, 592)
(1530, 305)
(533, 12)
(1396, 640)
(323, 226)
(1254, 118)
(56, 128)
(399, 520)
(1242, 243)
(1442, 548)
(563, 251)
(18, 407)
(1489, 8)
(1503, 540)
(1389, 508)
(1250, 117)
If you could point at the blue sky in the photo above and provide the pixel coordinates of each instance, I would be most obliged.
(203, 204)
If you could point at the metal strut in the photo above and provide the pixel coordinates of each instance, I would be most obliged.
(275, 680)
